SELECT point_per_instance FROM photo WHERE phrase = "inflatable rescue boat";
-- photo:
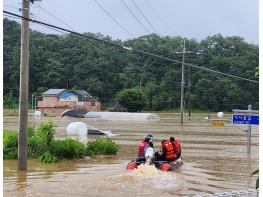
(161, 165)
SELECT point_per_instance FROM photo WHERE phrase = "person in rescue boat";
(177, 146)
(142, 148)
(149, 154)
(168, 153)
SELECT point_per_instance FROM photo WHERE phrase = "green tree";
(133, 99)
(61, 61)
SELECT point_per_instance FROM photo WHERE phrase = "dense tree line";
(70, 61)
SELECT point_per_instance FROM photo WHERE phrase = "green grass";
(14, 112)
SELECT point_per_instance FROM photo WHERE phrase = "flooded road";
(215, 160)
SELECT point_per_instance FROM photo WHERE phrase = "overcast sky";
(188, 18)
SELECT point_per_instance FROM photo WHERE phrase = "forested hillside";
(71, 61)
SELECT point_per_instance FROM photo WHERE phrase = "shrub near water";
(10, 140)
(47, 157)
(42, 145)
(40, 142)
(68, 149)
(101, 146)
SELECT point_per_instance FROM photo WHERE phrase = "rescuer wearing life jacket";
(168, 151)
(142, 148)
(177, 146)
(149, 154)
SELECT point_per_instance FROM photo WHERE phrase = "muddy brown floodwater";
(215, 161)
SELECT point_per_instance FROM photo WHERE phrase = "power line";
(228, 71)
(12, 7)
(192, 65)
(132, 49)
(14, 17)
(113, 18)
(123, 1)
(160, 18)
(218, 95)
(145, 17)
(36, 16)
(55, 17)
(98, 46)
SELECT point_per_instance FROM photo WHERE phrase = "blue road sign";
(245, 119)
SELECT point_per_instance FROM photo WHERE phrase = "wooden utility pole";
(182, 89)
(189, 95)
(249, 132)
(183, 86)
(23, 90)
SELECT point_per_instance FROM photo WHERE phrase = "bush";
(10, 153)
(10, 140)
(30, 131)
(68, 149)
(133, 99)
(43, 146)
(101, 146)
(47, 157)
(41, 140)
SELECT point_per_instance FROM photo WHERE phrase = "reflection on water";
(215, 160)
(21, 180)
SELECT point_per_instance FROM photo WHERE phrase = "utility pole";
(182, 89)
(32, 100)
(23, 90)
(189, 96)
(183, 86)
(249, 132)
(35, 102)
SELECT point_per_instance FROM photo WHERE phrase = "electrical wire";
(216, 95)
(154, 29)
(194, 66)
(226, 70)
(55, 17)
(131, 12)
(14, 17)
(133, 49)
(102, 48)
(12, 7)
(104, 10)
(160, 18)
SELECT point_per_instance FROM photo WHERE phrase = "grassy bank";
(43, 146)
(14, 112)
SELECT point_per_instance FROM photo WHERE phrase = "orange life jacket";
(177, 146)
(141, 148)
(170, 154)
